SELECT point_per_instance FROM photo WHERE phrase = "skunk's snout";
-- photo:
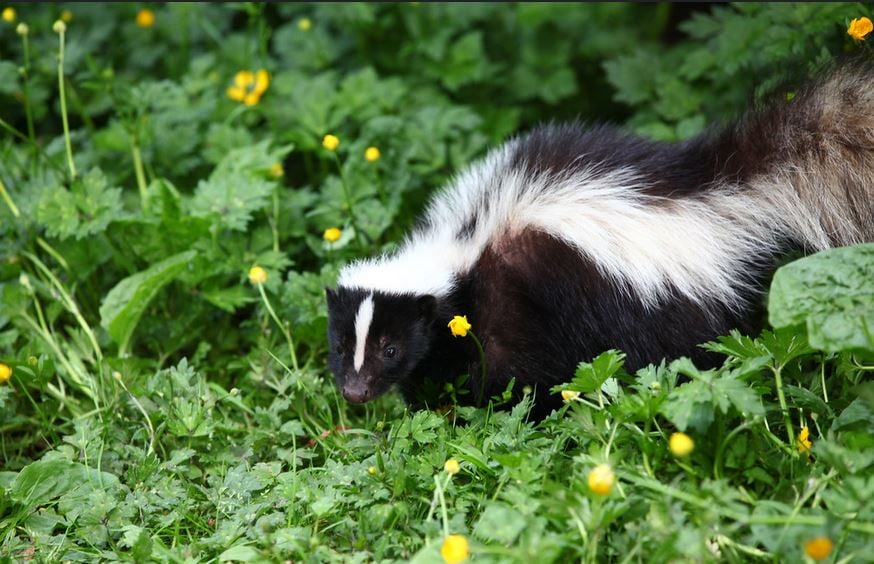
(357, 391)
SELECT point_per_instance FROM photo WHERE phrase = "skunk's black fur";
(573, 240)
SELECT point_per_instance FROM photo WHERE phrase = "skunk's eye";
(389, 352)
(339, 350)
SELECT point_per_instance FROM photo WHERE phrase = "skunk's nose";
(356, 392)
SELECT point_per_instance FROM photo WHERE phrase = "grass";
(163, 399)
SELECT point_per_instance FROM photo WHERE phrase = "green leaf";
(43, 481)
(500, 523)
(46, 480)
(126, 302)
(591, 375)
(690, 405)
(241, 553)
(85, 209)
(832, 292)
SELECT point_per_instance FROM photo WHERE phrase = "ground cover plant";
(180, 182)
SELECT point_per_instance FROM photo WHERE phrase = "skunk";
(569, 241)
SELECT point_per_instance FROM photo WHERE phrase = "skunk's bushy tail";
(811, 158)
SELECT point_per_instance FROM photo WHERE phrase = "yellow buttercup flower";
(681, 444)
(304, 24)
(330, 142)
(67, 16)
(276, 170)
(818, 548)
(459, 326)
(372, 470)
(257, 275)
(454, 549)
(9, 15)
(145, 18)
(569, 395)
(248, 86)
(601, 480)
(859, 28)
(372, 154)
(452, 466)
(5, 373)
(803, 442)
(332, 234)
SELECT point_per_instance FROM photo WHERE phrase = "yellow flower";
(803, 441)
(145, 18)
(372, 470)
(332, 234)
(276, 170)
(681, 444)
(372, 154)
(304, 24)
(5, 373)
(248, 87)
(9, 15)
(569, 395)
(459, 326)
(454, 549)
(330, 142)
(818, 548)
(859, 28)
(257, 275)
(59, 27)
(601, 479)
(67, 16)
(452, 466)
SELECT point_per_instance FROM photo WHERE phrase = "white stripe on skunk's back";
(699, 246)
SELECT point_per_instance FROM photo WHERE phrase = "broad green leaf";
(500, 523)
(126, 302)
(241, 553)
(832, 293)
(45, 480)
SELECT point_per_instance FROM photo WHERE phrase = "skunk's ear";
(427, 306)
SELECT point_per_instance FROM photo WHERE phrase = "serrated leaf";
(591, 375)
(85, 209)
(126, 302)
(728, 390)
(500, 523)
(690, 405)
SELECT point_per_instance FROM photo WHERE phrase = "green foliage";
(126, 302)
(153, 413)
(830, 293)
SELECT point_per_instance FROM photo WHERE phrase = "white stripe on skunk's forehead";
(362, 327)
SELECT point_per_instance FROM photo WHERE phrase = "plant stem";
(482, 363)
(138, 170)
(778, 379)
(8, 199)
(281, 326)
(347, 195)
(66, 123)
(28, 112)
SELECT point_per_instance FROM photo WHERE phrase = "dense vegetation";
(161, 399)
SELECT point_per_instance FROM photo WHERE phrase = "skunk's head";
(376, 339)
